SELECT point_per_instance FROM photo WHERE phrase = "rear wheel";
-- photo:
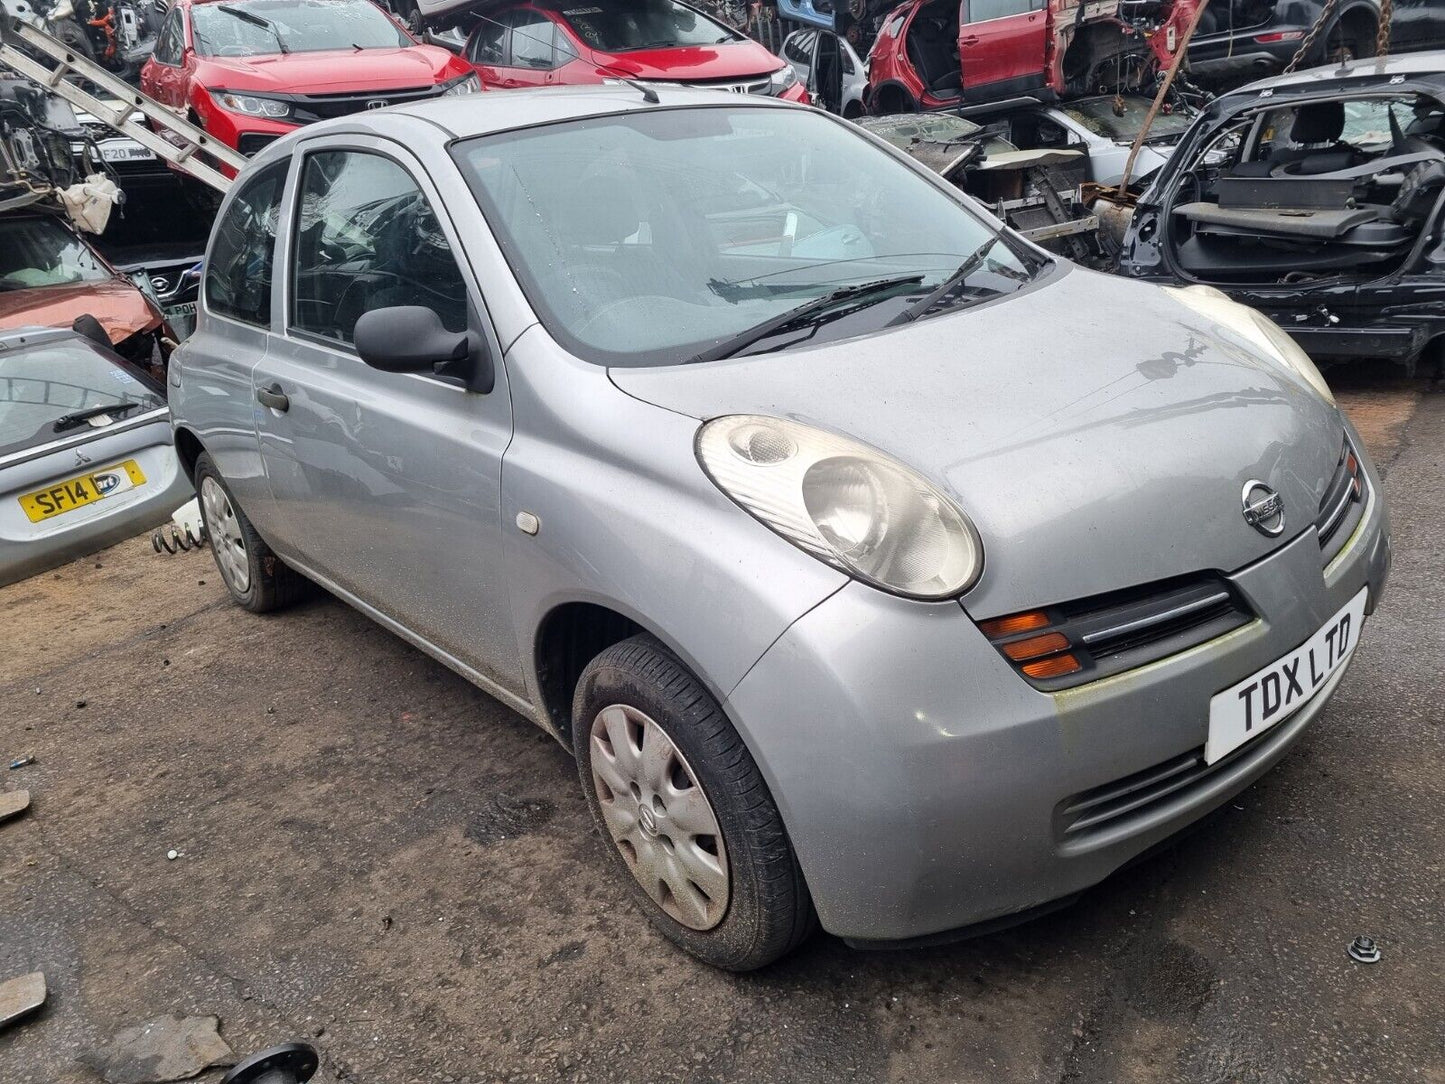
(685, 811)
(257, 579)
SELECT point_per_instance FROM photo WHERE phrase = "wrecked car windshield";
(40, 386)
(262, 27)
(37, 252)
(686, 228)
(614, 27)
(1121, 118)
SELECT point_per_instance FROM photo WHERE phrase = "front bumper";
(921, 779)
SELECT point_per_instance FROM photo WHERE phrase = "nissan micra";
(880, 570)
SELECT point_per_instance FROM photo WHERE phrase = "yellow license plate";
(81, 490)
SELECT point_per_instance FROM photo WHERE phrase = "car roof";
(1406, 64)
(465, 115)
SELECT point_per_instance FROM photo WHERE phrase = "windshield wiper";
(255, 20)
(75, 417)
(797, 317)
(948, 285)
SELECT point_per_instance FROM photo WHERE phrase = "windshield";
(41, 385)
(686, 228)
(1121, 118)
(614, 26)
(40, 252)
(261, 27)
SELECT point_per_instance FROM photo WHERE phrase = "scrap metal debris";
(21, 996)
(164, 1049)
(289, 1063)
(1363, 950)
(20, 762)
(13, 803)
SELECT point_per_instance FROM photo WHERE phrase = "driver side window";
(167, 49)
(366, 238)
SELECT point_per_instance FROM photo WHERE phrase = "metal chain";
(1309, 42)
(1382, 39)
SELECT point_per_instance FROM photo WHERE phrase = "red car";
(932, 54)
(249, 71)
(533, 43)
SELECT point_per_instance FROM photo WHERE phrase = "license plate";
(185, 308)
(1249, 708)
(125, 152)
(82, 490)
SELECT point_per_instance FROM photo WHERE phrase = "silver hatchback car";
(880, 569)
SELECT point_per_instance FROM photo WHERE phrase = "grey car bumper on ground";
(913, 813)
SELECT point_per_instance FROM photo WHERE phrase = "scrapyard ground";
(380, 859)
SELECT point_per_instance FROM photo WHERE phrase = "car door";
(798, 52)
(233, 333)
(531, 49)
(486, 50)
(1001, 46)
(164, 75)
(390, 482)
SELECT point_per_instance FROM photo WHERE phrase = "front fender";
(628, 520)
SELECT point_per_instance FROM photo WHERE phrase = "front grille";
(762, 85)
(1093, 638)
(1136, 795)
(251, 142)
(308, 108)
(1343, 504)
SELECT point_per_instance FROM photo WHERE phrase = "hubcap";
(227, 542)
(659, 817)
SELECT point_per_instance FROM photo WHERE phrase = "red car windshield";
(612, 27)
(263, 27)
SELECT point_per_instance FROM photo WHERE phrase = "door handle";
(273, 397)
(972, 39)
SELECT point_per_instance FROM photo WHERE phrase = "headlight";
(845, 503)
(1261, 332)
(467, 84)
(251, 105)
(782, 79)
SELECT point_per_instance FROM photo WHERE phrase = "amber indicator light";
(1058, 666)
(1035, 646)
(1008, 626)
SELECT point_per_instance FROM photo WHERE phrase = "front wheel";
(257, 579)
(684, 810)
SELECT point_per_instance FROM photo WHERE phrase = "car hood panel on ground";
(1105, 443)
(331, 72)
(119, 306)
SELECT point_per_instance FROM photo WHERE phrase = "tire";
(257, 579)
(681, 749)
(410, 15)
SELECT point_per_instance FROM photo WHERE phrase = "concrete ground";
(378, 858)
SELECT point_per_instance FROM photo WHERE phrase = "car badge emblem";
(377, 103)
(161, 283)
(81, 459)
(1263, 509)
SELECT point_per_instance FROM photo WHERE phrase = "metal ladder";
(173, 139)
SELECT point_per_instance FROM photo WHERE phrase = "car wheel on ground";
(257, 579)
(685, 811)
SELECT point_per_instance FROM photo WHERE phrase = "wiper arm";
(786, 321)
(255, 20)
(948, 285)
(75, 417)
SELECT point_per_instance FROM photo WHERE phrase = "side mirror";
(411, 339)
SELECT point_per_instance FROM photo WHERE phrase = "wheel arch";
(188, 450)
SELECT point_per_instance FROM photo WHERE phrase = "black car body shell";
(1394, 317)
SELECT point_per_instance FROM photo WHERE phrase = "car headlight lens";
(251, 105)
(467, 84)
(845, 503)
(782, 79)
(1261, 332)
